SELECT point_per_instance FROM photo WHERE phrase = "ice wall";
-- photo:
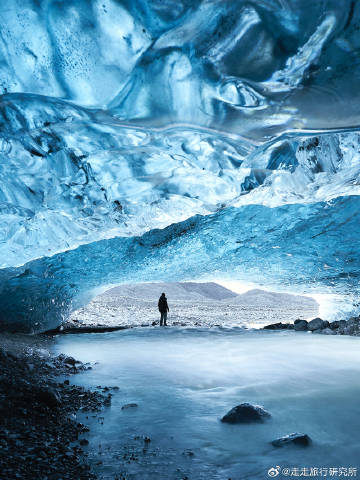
(232, 125)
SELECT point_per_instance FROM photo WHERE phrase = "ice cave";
(211, 135)
(179, 146)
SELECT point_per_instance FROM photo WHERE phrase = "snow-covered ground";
(194, 304)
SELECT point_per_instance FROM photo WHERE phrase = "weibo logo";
(274, 471)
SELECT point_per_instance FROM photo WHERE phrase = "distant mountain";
(257, 297)
(177, 291)
(209, 291)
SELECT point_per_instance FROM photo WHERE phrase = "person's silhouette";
(163, 309)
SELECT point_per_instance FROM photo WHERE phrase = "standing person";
(163, 309)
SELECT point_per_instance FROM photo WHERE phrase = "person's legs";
(165, 317)
(161, 318)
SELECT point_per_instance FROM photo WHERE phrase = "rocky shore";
(317, 325)
(40, 437)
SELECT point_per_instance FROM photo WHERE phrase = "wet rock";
(188, 453)
(3, 355)
(147, 440)
(327, 331)
(70, 361)
(350, 329)
(342, 323)
(246, 413)
(83, 442)
(82, 427)
(129, 405)
(35, 438)
(48, 396)
(300, 325)
(316, 324)
(279, 326)
(300, 439)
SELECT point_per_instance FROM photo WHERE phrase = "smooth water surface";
(185, 380)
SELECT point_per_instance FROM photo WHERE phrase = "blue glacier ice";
(171, 140)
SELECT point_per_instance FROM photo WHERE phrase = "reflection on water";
(184, 380)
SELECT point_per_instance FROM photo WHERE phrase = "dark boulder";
(338, 325)
(316, 324)
(70, 361)
(279, 326)
(246, 413)
(327, 331)
(3, 355)
(292, 439)
(47, 396)
(129, 405)
(300, 325)
(351, 329)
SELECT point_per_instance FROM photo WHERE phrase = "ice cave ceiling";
(170, 140)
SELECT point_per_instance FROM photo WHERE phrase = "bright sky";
(238, 287)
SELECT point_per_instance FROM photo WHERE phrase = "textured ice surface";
(234, 125)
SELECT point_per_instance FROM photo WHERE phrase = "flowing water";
(185, 380)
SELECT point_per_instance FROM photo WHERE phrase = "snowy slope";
(259, 297)
(203, 292)
(177, 291)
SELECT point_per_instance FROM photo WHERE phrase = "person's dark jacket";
(163, 305)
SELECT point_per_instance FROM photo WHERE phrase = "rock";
(246, 413)
(300, 325)
(351, 329)
(327, 331)
(147, 439)
(48, 396)
(279, 326)
(316, 324)
(338, 325)
(70, 361)
(292, 439)
(84, 442)
(188, 453)
(129, 405)
(3, 355)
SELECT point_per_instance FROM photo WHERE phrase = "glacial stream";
(185, 380)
